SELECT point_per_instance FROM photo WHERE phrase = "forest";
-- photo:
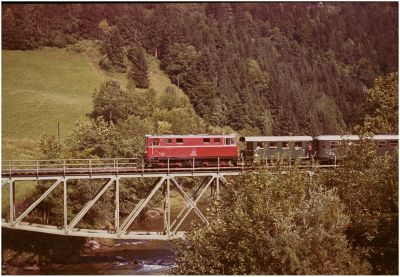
(265, 68)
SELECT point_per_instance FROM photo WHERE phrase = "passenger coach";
(327, 146)
(269, 147)
(183, 150)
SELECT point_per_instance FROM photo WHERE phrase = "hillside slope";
(46, 86)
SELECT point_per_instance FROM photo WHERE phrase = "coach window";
(285, 145)
(334, 144)
(381, 144)
(217, 140)
(169, 141)
(393, 143)
(260, 145)
(298, 145)
(206, 140)
(273, 145)
(179, 140)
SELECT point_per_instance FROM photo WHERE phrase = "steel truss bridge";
(112, 171)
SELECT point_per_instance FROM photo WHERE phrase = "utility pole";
(58, 127)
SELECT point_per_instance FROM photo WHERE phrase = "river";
(125, 257)
(118, 257)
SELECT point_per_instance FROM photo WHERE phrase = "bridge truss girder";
(166, 182)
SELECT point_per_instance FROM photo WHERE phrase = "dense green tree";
(137, 74)
(170, 99)
(178, 61)
(367, 184)
(93, 139)
(9, 34)
(112, 50)
(144, 102)
(381, 108)
(111, 102)
(272, 223)
(51, 147)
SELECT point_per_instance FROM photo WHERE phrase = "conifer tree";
(137, 74)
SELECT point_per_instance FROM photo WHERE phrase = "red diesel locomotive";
(189, 150)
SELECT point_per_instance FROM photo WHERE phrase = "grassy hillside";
(158, 79)
(46, 86)
(41, 88)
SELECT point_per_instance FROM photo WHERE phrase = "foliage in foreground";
(381, 108)
(368, 186)
(272, 223)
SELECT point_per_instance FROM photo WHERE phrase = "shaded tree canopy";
(381, 109)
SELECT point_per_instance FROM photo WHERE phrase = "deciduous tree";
(112, 103)
(272, 223)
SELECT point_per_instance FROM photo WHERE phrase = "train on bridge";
(167, 158)
(204, 149)
(201, 153)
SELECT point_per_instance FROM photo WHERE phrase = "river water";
(120, 257)
(125, 257)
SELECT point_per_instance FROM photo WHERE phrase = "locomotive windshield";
(229, 141)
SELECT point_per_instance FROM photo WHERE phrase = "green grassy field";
(39, 89)
(43, 87)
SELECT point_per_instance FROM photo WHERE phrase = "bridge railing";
(68, 165)
(116, 165)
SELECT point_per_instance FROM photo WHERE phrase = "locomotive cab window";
(229, 141)
(156, 141)
(169, 141)
(179, 140)
(206, 140)
(260, 145)
(217, 140)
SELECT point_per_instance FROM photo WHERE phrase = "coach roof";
(278, 138)
(355, 137)
(337, 137)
